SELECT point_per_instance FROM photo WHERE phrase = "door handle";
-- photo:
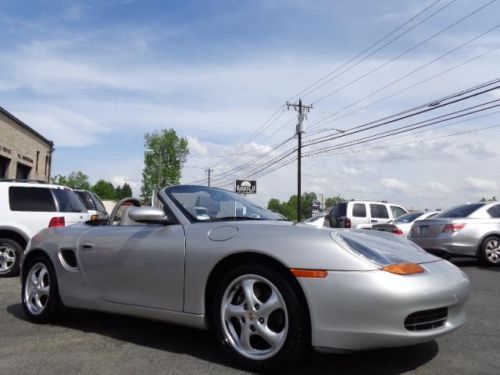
(87, 245)
(374, 221)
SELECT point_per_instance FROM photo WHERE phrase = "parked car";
(93, 204)
(401, 226)
(468, 230)
(363, 214)
(28, 207)
(317, 221)
(267, 288)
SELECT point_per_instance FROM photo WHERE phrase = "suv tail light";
(57, 221)
(347, 222)
(450, 228)
(397, 231)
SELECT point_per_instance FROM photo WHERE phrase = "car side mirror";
(151, 215)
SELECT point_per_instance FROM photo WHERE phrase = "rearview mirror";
(148, 215)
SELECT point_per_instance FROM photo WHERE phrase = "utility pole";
(208, 170)
(302, 112)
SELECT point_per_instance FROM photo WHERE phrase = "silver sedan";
(267, 288)
(468, 230)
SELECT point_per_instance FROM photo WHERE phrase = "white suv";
(363, 214)
(28, 207)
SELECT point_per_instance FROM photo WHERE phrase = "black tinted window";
(31, 199)
(379, 210)
(461, 211)
(68, 201)
(86, 200)
(359, 210)
(340, 209)
(98, 204)
(494, 211)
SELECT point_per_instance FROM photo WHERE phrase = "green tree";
(104, 189)
(164, 158)
(118, 192)
(307, 201)
(75, 180)
(332, 201)
(124, 191)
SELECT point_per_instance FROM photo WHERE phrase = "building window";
(46, 164)
(23, 172)
(4, 166)
(37, 157)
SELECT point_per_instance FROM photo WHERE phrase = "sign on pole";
(246, 186)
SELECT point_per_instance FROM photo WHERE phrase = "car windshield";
(200, 203)
(408, 218)
(460, 211)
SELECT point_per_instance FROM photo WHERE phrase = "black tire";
(10, 248)
(295, 344)
(489, 243)
(52, 304)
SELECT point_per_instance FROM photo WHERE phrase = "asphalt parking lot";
(94, 343)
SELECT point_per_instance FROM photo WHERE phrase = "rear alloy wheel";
(259, 319)
(10, 253)
(39, 291)
(490, 254)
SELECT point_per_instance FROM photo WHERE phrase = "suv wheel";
(10, 254)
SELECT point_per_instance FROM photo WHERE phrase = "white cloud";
(395, 184)
(481, 184)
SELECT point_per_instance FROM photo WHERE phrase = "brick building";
(24, 153)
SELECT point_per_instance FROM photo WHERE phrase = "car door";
(139, 265)
(379, 213)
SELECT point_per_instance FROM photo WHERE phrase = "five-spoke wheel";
(39, 292)
(258, 316)
(255, 317)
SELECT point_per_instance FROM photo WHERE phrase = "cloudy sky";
(94, 76)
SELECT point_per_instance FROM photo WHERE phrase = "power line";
(410, 127)
(468, 61)
(403, 144)
(430, 106)
(416, 70)
(311, 88)
(433, 36)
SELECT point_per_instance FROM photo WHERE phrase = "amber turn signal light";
(94, 217)
(404, 268)
(317, 274)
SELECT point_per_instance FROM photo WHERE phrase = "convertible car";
(268, 288)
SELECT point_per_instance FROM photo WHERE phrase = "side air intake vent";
(68, 259)
(425, 320)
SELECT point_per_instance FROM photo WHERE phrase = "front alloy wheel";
(254, 316)
(39, 290)
(259, 317)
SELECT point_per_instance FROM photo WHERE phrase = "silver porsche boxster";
(267, 288)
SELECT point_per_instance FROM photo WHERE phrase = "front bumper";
(367, 309)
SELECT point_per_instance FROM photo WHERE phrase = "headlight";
(385, 260)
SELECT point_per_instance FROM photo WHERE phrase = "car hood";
(381, 247)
